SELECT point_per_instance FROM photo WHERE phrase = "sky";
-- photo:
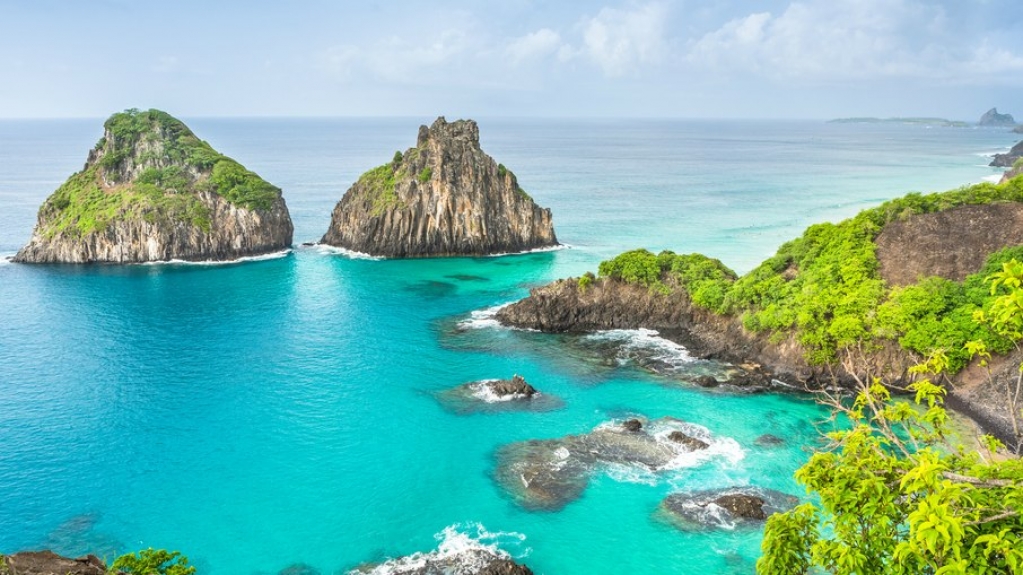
(509, 58)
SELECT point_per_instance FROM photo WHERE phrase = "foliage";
(705, 279)
(81, 206)
(153, 562)
(502, 171)
(897, 494)
(425, 175)
(397, 158)
(171, 163)
(242, 187)
(586, 280)
(379, 186)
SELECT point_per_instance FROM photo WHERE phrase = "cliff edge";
(153, 191)
(445, 197)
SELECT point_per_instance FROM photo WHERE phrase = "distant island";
(940, 122)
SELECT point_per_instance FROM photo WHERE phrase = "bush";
(152, 562)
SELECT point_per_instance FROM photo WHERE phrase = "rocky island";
(874, 294)
(445, 197)
(153, 191)
(993, 118)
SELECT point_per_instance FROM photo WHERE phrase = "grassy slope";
(83, 204)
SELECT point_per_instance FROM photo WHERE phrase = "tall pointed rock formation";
(445, 197)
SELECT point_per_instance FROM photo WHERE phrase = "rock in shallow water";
(497, 395)
(724, 508)
(546, 475)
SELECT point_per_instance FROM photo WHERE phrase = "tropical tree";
(895, 492)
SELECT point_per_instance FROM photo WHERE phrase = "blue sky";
(610, 58)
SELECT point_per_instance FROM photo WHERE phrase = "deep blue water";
(268, 413)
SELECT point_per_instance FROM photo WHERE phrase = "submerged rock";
(445, 197)
(152, 191)
(49, 563)
(769, 440)
(724, 508)
(546, 475)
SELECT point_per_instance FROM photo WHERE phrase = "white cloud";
(822, 40)
(537, 44)
(620, 40)
(396, 59)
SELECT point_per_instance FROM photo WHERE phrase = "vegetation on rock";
(824, 289)
(170, 164)
(152, 562)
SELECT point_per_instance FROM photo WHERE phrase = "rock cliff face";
(445, 197)
(1007, 160)
(993, 118)
(152, 191)
(951, 244)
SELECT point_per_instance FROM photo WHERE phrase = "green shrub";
(425, 175)
(152, 562)
(586, 280)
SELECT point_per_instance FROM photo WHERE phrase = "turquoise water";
(286, 411)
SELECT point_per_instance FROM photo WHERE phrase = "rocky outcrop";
(445, 197)
(49, 563)
(546, 475)
(724, 508)
(1008, 159)
(993, 118)
(951, 244)
(1011, 173)
(564, 307)
(514, 387)
(152, 191)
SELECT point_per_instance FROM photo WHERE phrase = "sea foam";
(483, 318)
(259, 258)
(647, 341)
(462, 549)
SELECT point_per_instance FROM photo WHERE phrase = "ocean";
(290, 412)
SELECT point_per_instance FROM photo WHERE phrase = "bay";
(268, 413)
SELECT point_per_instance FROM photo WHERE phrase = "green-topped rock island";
(152, 191)
(444, 197)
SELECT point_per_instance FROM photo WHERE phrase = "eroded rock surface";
(546, 475)
(49, 563)
(445, 197)
(724, 508)
(951, 244)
